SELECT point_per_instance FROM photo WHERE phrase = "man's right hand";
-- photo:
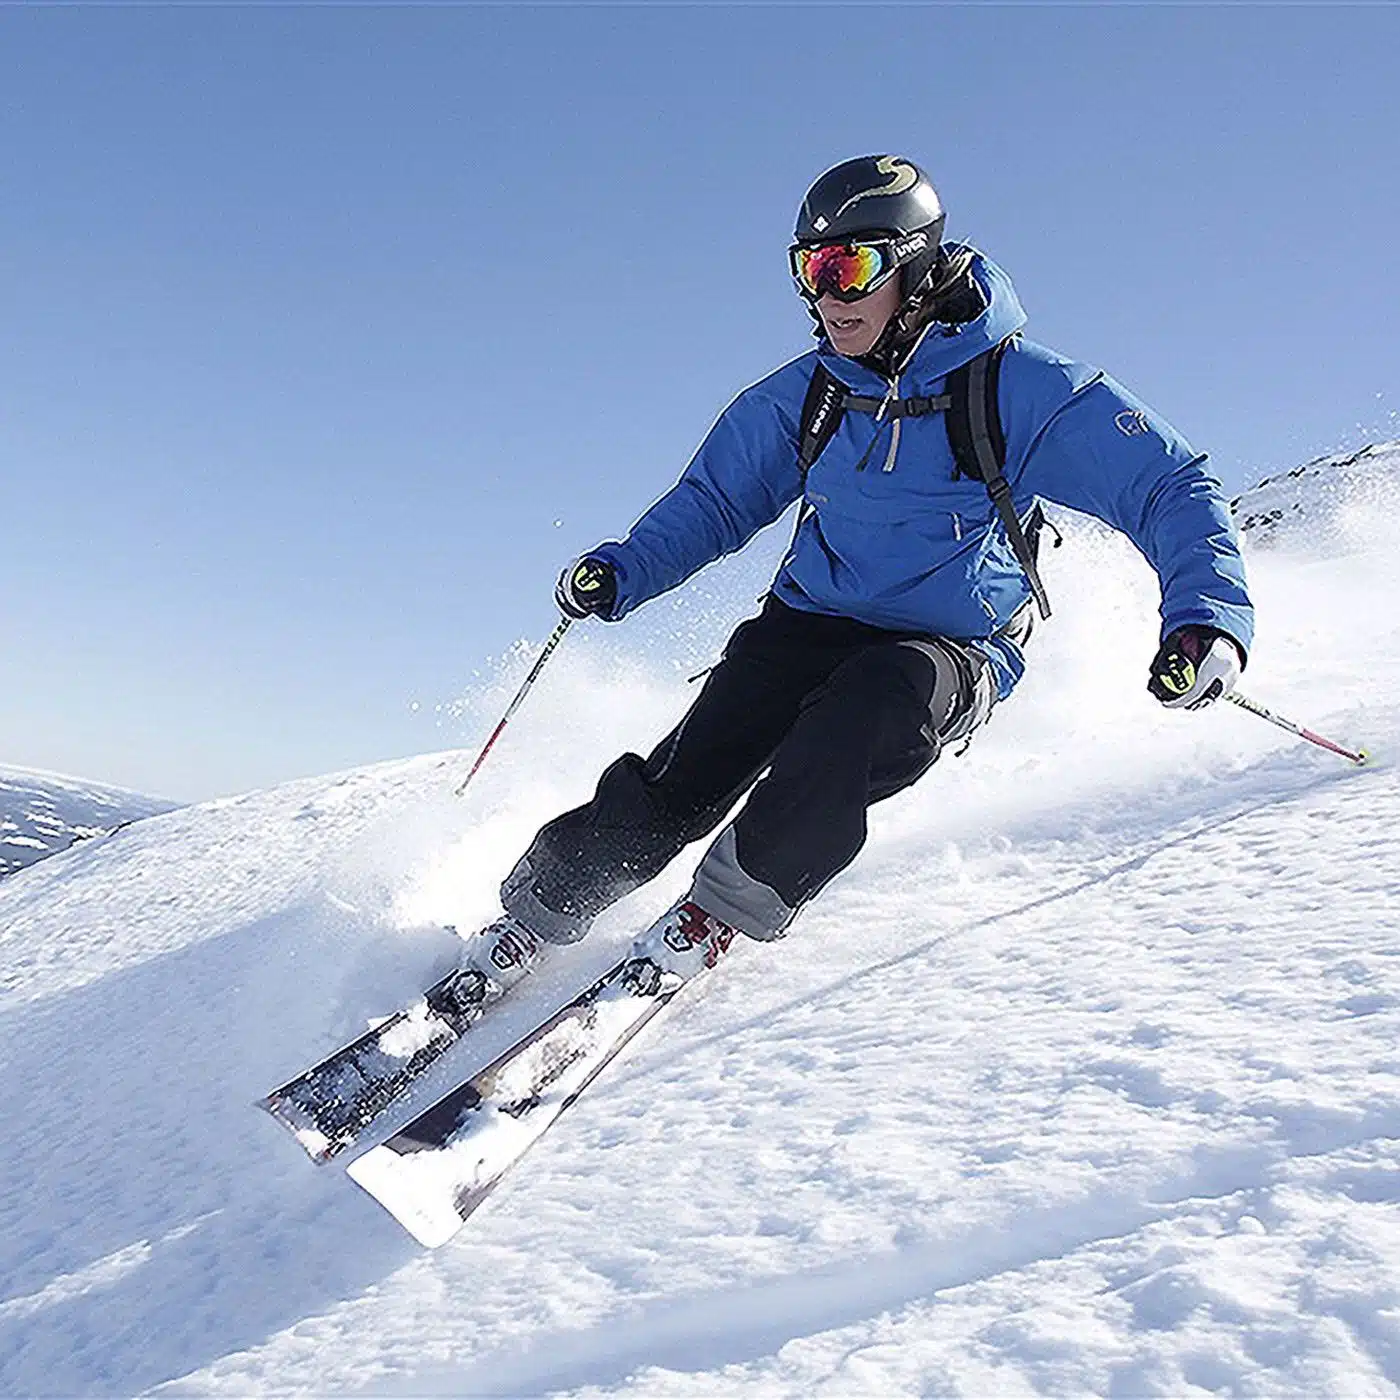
(1194, 666)
(587, 588)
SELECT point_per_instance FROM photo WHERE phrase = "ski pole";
(555, 638)
(1255, 708)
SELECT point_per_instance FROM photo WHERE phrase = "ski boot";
(683, 942)
(495, 959)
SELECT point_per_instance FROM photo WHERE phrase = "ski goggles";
(849, 271)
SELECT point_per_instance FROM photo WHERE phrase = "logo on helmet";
(1132, 422)
(903, 176)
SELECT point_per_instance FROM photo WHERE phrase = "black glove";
(1194, 666)
(587, 588)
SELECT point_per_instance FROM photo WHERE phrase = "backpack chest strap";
(826, 404)
(913, 407)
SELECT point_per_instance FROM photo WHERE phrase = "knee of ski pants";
(964, 689)
(586, 859)
(877, 702)
(947, 692)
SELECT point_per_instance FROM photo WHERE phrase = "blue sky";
(327, 334)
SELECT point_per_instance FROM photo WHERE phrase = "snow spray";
(555, 638)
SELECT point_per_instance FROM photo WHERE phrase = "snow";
(415, 1032)
(1084, 1079)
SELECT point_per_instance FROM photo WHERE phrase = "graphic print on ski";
(432, 1174)
(328, 1107)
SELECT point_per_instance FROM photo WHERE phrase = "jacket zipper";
(898, 422)
(894, 445)
(890, 398)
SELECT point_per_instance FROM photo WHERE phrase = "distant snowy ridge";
(1324, 500)
(41, 813)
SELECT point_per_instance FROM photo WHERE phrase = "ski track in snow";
(1085, 1079)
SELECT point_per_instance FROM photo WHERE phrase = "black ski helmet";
(875, 195)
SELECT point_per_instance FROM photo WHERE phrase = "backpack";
(975, 434)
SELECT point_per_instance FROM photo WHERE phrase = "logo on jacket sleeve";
(1132, 422)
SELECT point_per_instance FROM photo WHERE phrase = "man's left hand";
(1194, 666)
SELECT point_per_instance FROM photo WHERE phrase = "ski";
(432, 1174)
(329, 1106)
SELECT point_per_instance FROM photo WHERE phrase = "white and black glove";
(587, 588)
(1194, 666)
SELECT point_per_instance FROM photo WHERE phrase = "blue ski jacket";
(900, 542)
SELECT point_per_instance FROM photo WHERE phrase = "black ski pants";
(836, 711)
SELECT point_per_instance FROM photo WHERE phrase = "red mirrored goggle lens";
(846, 270)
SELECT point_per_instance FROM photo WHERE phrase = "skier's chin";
(853, 339)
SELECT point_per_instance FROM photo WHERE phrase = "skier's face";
(853, 327)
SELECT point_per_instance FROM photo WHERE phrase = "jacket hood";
(945, 346)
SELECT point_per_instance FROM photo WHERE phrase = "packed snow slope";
(1084, 1079)
(41, 813)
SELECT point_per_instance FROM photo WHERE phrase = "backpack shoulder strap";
(822, 411)
(974, 416)
(979, 448)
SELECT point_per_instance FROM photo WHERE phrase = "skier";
(920, 434)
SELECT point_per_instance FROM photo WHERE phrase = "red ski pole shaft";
(555, 638)
(1255, 708)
